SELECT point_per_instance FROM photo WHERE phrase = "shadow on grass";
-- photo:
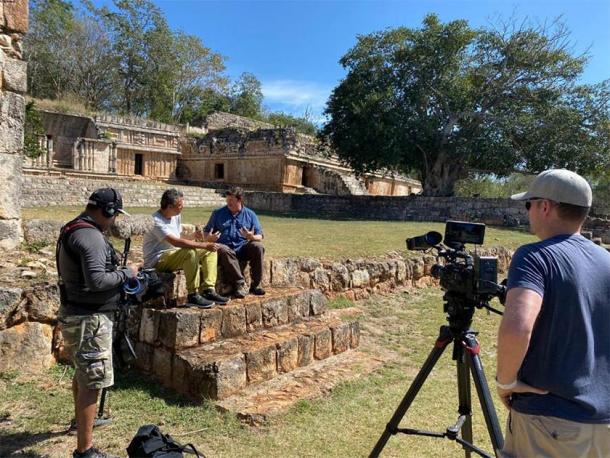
(11, 444)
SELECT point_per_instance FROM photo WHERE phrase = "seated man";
(167, 251)
(239, 235)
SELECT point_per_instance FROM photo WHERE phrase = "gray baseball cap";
(559, 185)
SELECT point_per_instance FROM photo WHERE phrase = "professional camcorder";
(470, 278)
(144, 286)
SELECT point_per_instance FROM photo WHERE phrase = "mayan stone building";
(108, 144)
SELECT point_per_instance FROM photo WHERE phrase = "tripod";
(466, 350)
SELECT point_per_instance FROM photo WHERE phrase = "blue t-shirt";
(569, 351)
(229, 225)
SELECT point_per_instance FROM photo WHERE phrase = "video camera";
(468, 279)
(144, 286)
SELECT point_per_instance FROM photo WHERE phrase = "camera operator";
(553, 344)
(90, 285)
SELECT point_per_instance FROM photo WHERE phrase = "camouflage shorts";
(88, 341)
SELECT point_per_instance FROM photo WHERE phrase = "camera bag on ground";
(150, 442)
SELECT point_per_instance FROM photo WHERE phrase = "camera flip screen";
(461, 232)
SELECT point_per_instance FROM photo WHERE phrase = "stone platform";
(260, 342)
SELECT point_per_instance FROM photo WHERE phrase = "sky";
(293, 47)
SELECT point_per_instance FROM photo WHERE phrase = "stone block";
(26, 348)
(261, 364)
(144, 354)
(179, 328)
(298, 306)
(274, 312)
(149, 326)
(14, 15)
(14, 75)
(233, 321)
(318, 304)
(10, 185)
(355, 334)
(12, 115)
(10, 234)
(321, 279)
(40, 231)
(306, 345)
(211, 325)
(323, 346)
(42, 303)
(218, 380)
(339, 277)
(180, 375)
(341, 336)
(360, 278)
(162, 365)
(254, 316)
(288, 355)
(10, 299)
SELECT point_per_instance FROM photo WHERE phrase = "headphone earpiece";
(110, 209)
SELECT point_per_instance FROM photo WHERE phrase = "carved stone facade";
(278, 159)
(13, 85)
(105, 144)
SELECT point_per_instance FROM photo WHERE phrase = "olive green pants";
(196, 263)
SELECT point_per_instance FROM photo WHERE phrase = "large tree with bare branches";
(446, 99)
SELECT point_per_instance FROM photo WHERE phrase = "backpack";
(150, 442)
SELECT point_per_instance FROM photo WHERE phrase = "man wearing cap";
(167, 250)
(90, 284)
(239, 234)
(553, 368)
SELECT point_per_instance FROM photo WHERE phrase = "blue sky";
(293, 47)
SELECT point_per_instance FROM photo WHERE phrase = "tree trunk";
(440, 179)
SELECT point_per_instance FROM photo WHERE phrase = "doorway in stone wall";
(139, 164)
(306, 177)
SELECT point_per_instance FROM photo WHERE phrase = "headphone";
(109, 209)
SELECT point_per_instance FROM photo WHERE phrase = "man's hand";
(210, 246)
(213, 237)
(198, 234)
(248, 235)
(506, 395)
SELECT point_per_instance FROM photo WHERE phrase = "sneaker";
(99, 422)
(257, 291)
(241, 291)
(92, 453)
(198, 301)
(211, 295)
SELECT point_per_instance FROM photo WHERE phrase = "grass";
(320, 238)
(348, 422)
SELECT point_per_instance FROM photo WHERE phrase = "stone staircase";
(354, 185)
(252, 347)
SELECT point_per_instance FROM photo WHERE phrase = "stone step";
(223, 368)
(179, 328)
(257, 403)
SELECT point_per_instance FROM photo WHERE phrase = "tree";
(51, 24)
(247, 96)
(446, 99)
(33, 130)
(302, 124)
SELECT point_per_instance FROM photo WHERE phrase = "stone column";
(13, 85)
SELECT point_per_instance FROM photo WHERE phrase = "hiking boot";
(211, 295)
(257, 291)
(241, 291)
(198, 301)
(97, 423)
(92, 453)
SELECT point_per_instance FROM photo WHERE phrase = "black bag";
(150, 442)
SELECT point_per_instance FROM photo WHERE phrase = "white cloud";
(295, 97)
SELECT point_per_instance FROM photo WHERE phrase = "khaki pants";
(192, 261)
(537, 436)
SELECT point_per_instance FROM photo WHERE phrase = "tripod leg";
(465, 400)
(480, 382)
(443, 340)
(100, 411)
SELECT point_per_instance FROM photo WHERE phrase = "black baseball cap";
(108, 198)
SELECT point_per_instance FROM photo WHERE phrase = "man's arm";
(180, 242)
(522, 308)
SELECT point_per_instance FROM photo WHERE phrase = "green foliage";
(247, 96)
(301, 124)
(485, 185)
(33, 129)
(446, 100)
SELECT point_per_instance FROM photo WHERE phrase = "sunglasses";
(528, 203)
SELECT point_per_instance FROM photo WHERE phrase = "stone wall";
(13, 85)
(72, 189)
(221, 120)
